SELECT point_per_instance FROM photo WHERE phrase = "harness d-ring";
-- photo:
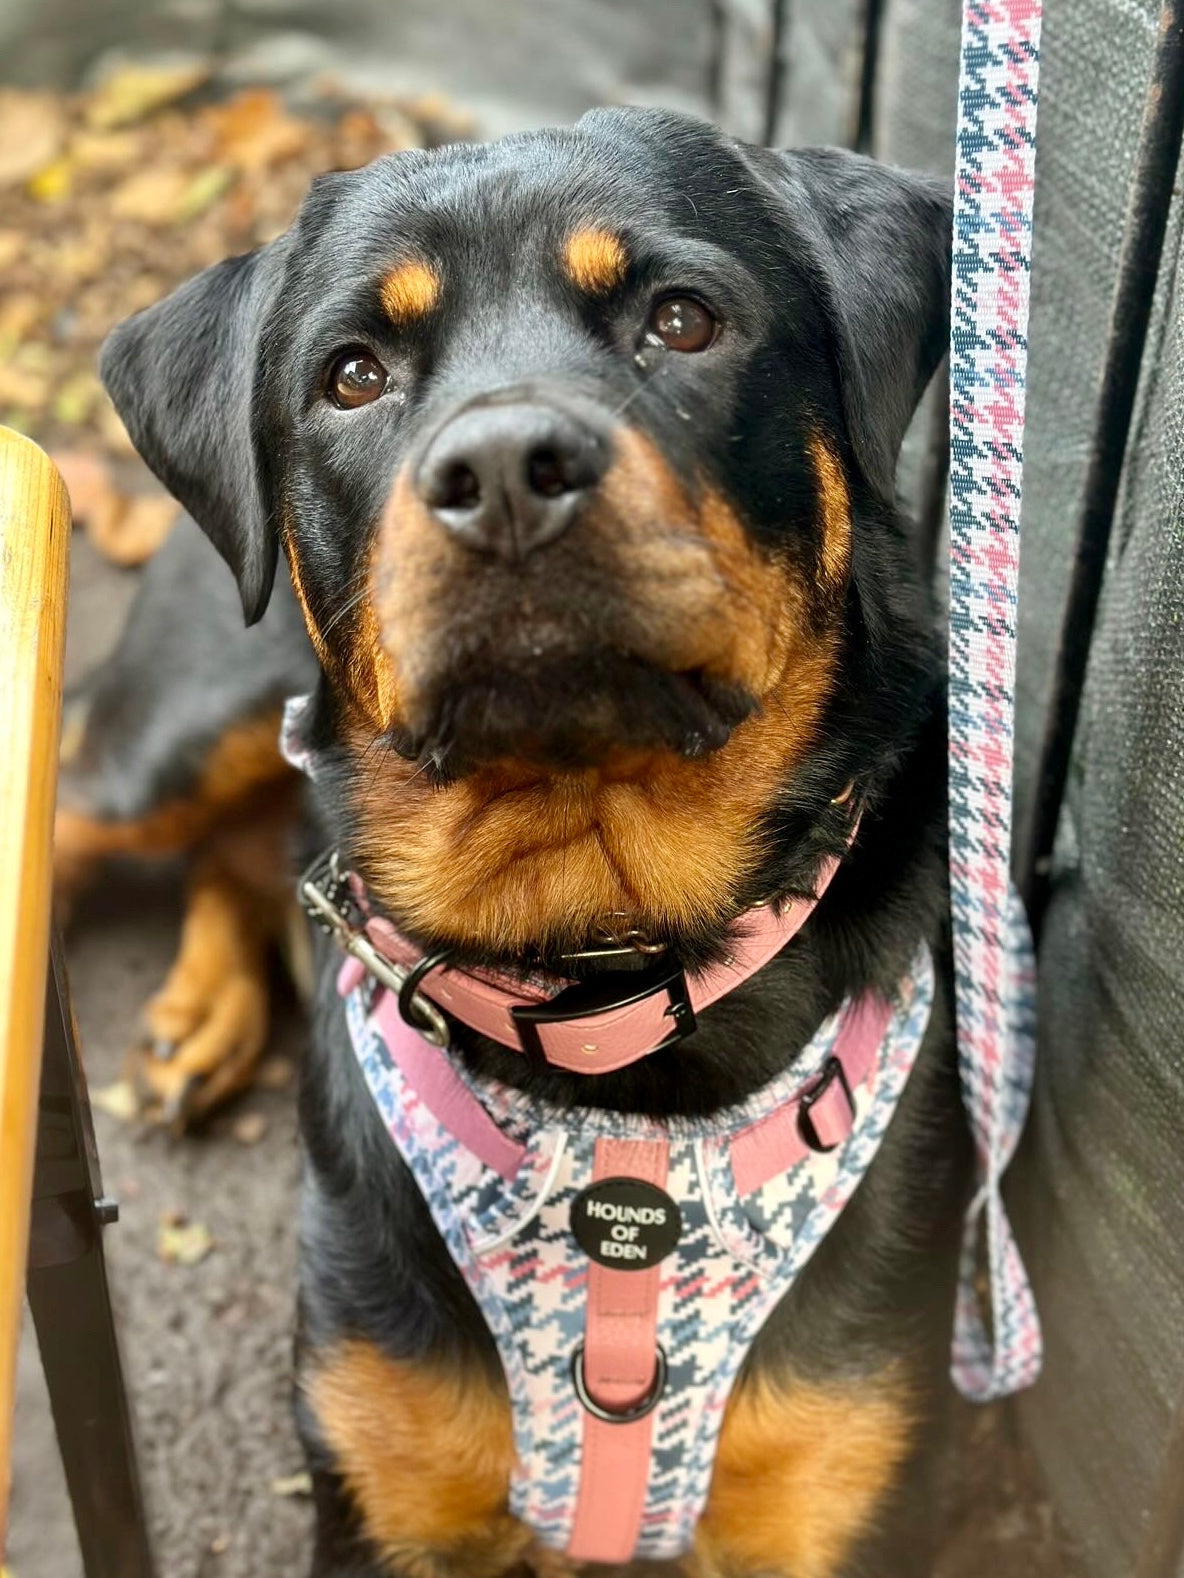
(417, 1011)
(620, 1416)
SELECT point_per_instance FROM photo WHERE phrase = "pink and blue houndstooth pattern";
(736, 1259)
(995, 975)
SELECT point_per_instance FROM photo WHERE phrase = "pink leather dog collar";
(598, 1040)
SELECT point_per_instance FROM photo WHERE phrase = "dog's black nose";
(507, 479)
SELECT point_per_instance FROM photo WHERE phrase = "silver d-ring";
(620, 1416)
(416, 1008)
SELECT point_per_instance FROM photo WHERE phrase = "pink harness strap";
(596, 1043)
(442, 1091)
(620, 1363)
(776, 1143)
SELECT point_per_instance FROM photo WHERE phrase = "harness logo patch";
(625, 1223)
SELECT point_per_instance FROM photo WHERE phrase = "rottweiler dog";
(579, 449)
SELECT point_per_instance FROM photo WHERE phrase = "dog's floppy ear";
(882, 238)
(182, 376)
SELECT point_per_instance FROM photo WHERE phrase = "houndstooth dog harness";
(624, 1470)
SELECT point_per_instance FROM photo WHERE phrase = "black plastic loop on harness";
(832, 1070)
(620, 1416)
(409, 1010)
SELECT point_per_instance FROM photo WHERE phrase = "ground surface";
(207, 1346)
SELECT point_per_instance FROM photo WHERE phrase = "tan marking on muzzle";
(353, 652)
(515, 854)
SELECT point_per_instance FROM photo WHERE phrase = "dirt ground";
(207, 1346)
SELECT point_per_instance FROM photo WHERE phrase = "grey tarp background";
(1100, 1191)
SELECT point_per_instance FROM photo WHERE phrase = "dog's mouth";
(650, 625)
(601, 708)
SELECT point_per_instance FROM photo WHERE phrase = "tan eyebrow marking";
(410, 291)
(594, 259)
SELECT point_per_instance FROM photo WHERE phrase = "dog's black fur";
(830, 274)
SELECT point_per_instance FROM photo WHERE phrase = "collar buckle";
(586, 999)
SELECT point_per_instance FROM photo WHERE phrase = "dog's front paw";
(198, 1051)
(207, 1026)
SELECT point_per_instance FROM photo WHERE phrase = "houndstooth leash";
(993, 959)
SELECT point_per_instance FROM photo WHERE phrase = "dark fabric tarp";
(1100, 1189)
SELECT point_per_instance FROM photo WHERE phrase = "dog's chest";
(625, 1262)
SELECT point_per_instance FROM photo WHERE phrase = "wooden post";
(34, 559)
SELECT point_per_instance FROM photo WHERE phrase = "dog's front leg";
(413, 1461)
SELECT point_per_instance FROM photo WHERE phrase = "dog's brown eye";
(682, 324)
(355, 379)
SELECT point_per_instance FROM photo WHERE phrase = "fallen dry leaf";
(12, 244)
(360, 138)
(169, 196)
(88, 480)
(249, 1128)
(292, 1485)
(114, 150)
(23, 386)
(132, 92)
(117, 1100)
(129, 531)
(54, 182)
(32, 131)
(181, 1242)
(205, 188)
(76, 399)
(151, 195)
(275, 1073)
(253, 130)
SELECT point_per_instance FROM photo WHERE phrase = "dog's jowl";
(557, 477)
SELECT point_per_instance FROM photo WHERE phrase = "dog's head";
(580, 447)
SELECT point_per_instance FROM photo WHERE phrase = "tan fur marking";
(426, 1455)
(369, 671)
(595, 260)
(310, 622)
(243, 764)
(358, 659)
(800, 1475)
(836, 512)
(410, 291)
(514, 854)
